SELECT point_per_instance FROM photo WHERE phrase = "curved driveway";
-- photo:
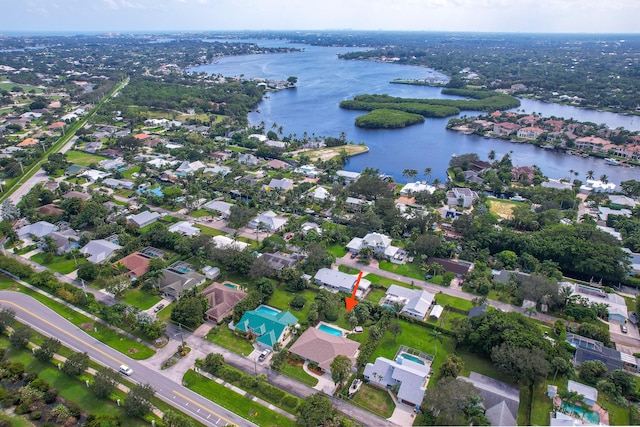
(49, 323)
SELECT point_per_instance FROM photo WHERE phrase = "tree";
(104, 382)
(172, 418)
(452, 366)
(76, 364)
(88, 271)
(138, 400)
(213, 362)
(527, 366)
(190, 309)
(239, 216)
(607, 389)
(436, 336)
(117, 285)
(592, 371)
(340, 369)
(590, 174)
(7, 316)
(410, 173)
(446, 402)
(21, 336)
(316, 410)
(395, 330)
(47, 349)
(623, 380)
(561, 365)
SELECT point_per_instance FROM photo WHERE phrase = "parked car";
(158, 308)
(263, 355)
(353, 255)
(624, 329)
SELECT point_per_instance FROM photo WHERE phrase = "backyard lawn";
(60, 263)
(234, 402)
(337, 250)
(208, 231)
(139, 298)
(281, 300)
(82, 158)
(224, 337)
(374, 400)
(409, 269)
(129, 172)
(375, 295)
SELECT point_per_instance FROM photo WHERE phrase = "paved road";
(49, 323)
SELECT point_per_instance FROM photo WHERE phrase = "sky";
(524, 16)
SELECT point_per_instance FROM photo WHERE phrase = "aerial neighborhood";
(148, 211)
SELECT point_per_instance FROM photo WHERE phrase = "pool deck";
(329, 325)
(604, 415)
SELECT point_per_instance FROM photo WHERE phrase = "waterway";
(324, 81)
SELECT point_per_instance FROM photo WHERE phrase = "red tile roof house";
(320, 347)
(136, 263)
(505, 128)
(221, 301)
(530, 132)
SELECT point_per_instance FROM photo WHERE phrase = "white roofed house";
(248, 159)
(185, 228)
(461, 197)
(270, 220)
(225, 242)
(337, 281)
(99, 250)
(187, 168)
(320, 194)
(143, 218)
(284, 184)
(617, 306)
(38, 230)
(347, 177)
(415, 303)
(381, 245)
(223, 208)
(416, 187)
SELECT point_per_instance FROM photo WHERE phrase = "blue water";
(267, 310)
(412, 358)
(330, 330)
(324, 81)
(232, 286)
(183, 269)
(580, 412)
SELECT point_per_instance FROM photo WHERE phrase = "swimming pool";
(328, 329)
(579, 412)
(412, 358)
(230, 285)
(267, 310)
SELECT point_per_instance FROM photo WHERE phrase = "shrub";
(22, 409)
(298, 302)
(290, 402)
(36, 415)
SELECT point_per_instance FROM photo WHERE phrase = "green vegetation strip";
(103, 333)
(385, 118)
(234, 402)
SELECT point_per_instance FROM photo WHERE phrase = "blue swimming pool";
(267, 310)
(328, 329)
(412, 358)
(231, 285)
(579, 412)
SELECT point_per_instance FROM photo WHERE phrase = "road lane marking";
(119, 362)
(206, 409)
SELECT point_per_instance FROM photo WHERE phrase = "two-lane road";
(49, 323)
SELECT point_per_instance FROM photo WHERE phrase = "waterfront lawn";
(452, 301)
(297, 373)
(374, 400)
(234, 402)
(208, 231)
(411, 270)
(224, 337)
(140, 298)
(82, 158)
(60, 263)
(337, 250)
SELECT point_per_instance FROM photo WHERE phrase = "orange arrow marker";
(352, 301)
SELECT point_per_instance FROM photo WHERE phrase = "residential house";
(136, 264)
(311, 226)
(119, 183)
(99, 250)
(556, 184)
(185, 228)
(619, 201)
(268, 327)
(216, 170)
(530, 132)
(280, 260)
(505, 128)
(458, 267)
(188, 168)
(275, 144)
(337, 281)
(416, 187)
(320, 347)
(521, 173)
(410, 378)
(461, 197)
(50, 209)
(211, 273)
(93, 146)
(591, 143)
(617, 304)
(415, 303)
(590, 394)
(310, 171)
(248, 159)
(380, 244)
(221, 156)
(221, 301)
(347, 177)
(178, 278)
(94, 175)
(223, 208)
(143, 218)
(37, 230)
(65, 240)
(271, 222)
(225, 242)
(111, 164)
(477, 311)
(500, 399)
(320, 194)
(76, 195)
(590, 349)
(284, 184)
(278, 164)
(355, 204)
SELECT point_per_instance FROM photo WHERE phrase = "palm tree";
(492, 155)
(531, 311)
(604, 178)
(590, 174)
(436, 336)
(566, 293)
(427, 172)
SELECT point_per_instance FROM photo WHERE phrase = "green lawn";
(226, 338)
(337, 250)
(375, 295)
(298, 373)
(348, 270)
(452, 301)
(386, 282)
(60, 263)
(140, 298)
(374, 400)
(208, 231)
(475, 363)
(200, 213)
(234, 402)
(82, 158)
(281, 300)
(127, 174)
(410, 269)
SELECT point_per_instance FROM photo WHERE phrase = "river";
(324, 81)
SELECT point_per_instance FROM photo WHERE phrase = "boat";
(612, 162)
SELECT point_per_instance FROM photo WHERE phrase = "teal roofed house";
(269, 328)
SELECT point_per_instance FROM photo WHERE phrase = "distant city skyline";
(517, 16)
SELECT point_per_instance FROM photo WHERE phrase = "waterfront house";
(530, 132)
(221, 300)
(267, 327)
(461, 197)
(505, 128)
(416, 187)
(591, 143)
(321, 347)
(347, 177)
